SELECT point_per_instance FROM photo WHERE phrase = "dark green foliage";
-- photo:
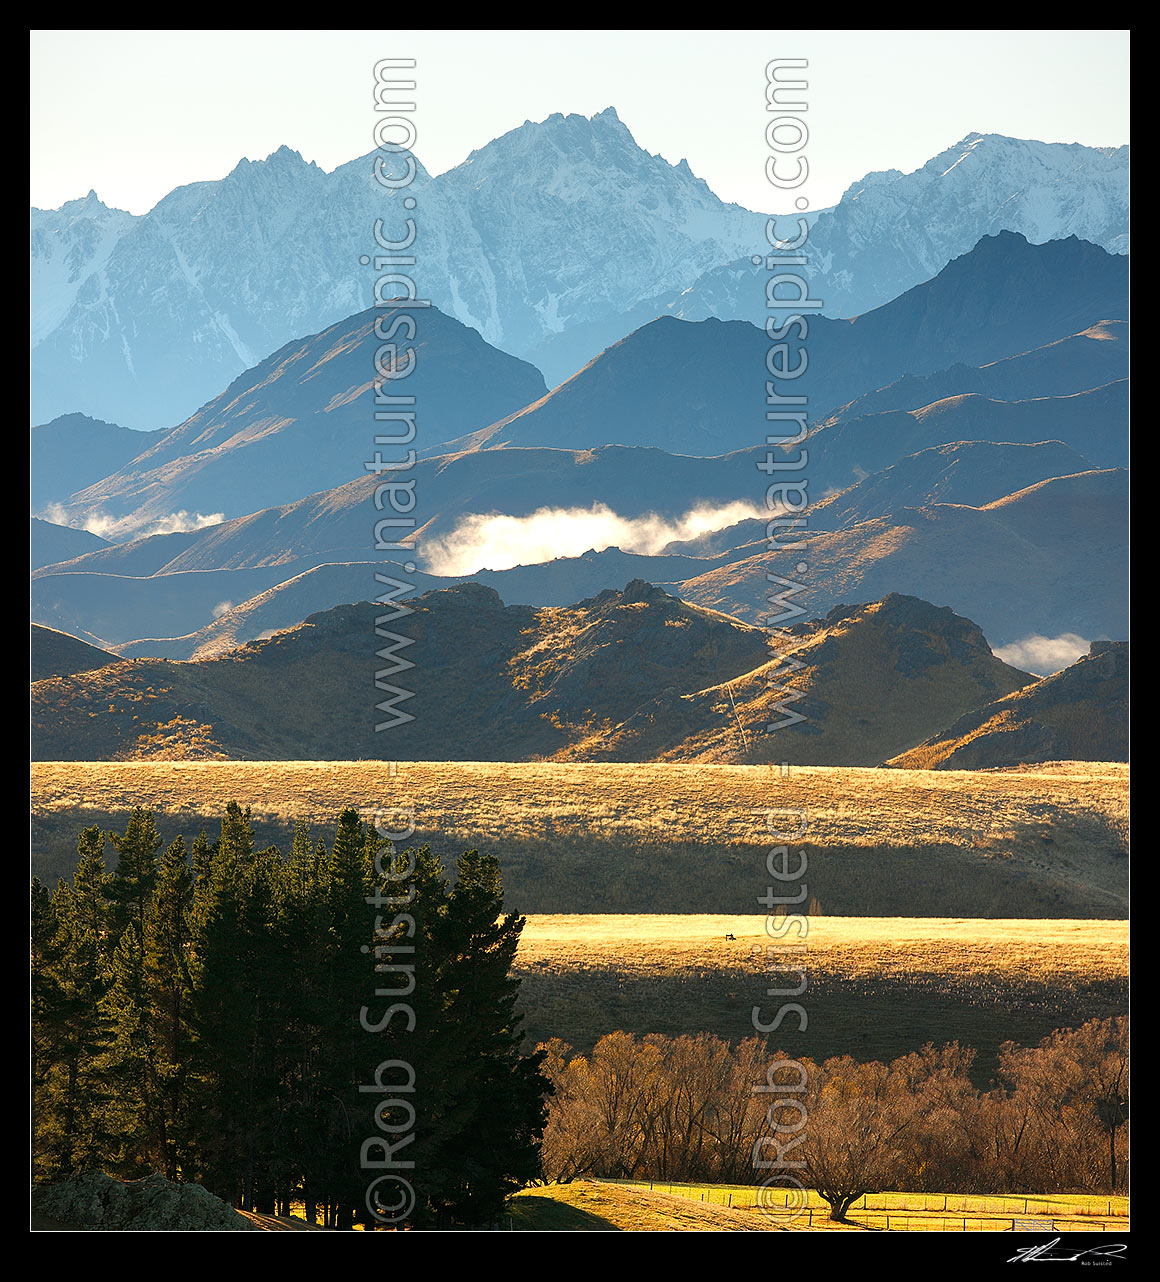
(71, 974)
(216, 1017)
(136, 872)
(48, 999)
(490, 1114)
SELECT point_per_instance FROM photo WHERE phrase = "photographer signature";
(1047, 1251)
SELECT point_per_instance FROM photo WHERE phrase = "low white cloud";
(54, 513)
(124, 528)
(183, 522)
(497, 542)
(1044, 655)
(222, 607)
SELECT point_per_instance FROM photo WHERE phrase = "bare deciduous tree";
(855, 1136)
(692, 1108)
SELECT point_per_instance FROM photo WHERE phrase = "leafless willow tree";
(1069, 1099)
(856, 1133)
(692, 1108)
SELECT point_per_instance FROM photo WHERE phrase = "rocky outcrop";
(98, 1201)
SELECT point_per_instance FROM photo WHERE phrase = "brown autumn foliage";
(695, 1109)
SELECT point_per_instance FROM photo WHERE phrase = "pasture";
(1045, 842)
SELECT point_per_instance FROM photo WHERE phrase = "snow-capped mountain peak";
(546, 241)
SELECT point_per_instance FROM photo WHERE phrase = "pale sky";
(133, 114)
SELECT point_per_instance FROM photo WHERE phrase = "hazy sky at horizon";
(133, 114)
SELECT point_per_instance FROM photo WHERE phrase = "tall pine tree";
(73, 1128)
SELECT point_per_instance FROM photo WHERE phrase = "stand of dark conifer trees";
(205, 1014)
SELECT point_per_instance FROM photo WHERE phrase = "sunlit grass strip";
(1049, 843)
(1074, 1210)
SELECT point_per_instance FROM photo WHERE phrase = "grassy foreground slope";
(1049, 841)
(592, 1206)
(596, 1206)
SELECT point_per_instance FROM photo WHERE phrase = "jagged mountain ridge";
(69, 247)
(558, 227)
(545, 225)
(892, 230)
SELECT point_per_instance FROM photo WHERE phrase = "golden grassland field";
(972, 906)
(596, 1206)
(877, 988)
(620, 1206)
(625, 1206)
(977, 907)
(1046, 841)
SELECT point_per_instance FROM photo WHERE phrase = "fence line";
(1001, 1213)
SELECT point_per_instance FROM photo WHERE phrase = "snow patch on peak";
(892, 231)
(68, 246)
(877, 178)
(968, 151)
